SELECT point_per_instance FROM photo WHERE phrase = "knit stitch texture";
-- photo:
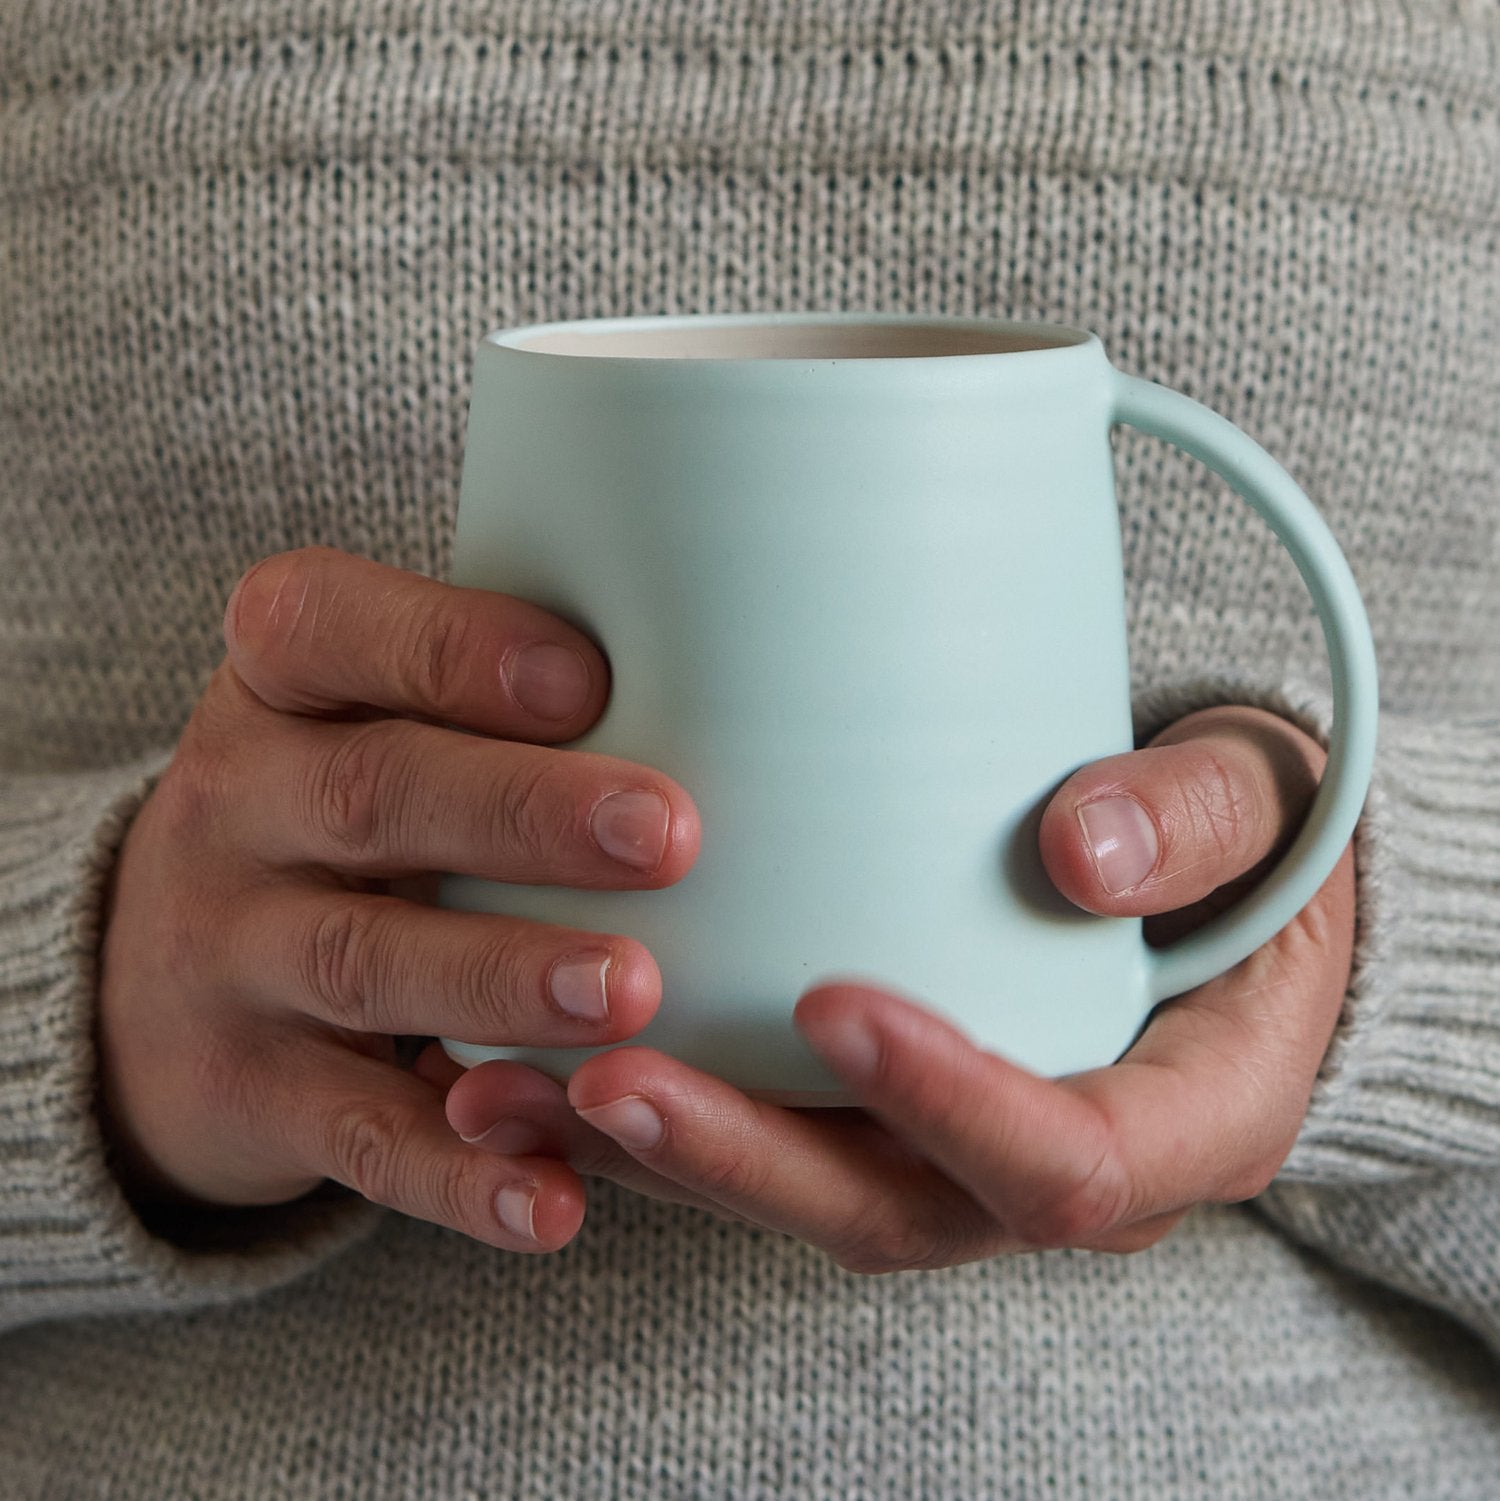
(247, 251)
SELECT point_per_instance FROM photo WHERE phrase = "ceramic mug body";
(859, 582)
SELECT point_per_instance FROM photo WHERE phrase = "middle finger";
(388, 796)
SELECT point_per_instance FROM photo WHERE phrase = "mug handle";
(1259, 479)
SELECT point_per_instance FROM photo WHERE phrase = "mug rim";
(1063, 339)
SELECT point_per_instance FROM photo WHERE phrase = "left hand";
(958, 1155)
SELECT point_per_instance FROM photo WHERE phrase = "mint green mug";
(859, 581)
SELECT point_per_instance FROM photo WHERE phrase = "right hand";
(256, 965)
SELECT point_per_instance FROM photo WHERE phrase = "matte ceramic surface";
(859, 581)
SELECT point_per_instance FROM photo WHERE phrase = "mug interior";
(796, 341)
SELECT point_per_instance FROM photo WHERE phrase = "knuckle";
(1066, 1220)
(372, 1151)
(196, 786)
(356, 790)
(1083, 1209)
(735, 1175)
(436, 655)
(368, 1140)
(457, 1184)
(888, 1241)
(523, 813)
(1321, 926)
(492, 975)
(336, 964)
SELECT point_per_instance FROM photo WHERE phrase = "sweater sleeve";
(71, 1243)
(1395, 1173)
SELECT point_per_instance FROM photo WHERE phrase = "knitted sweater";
(247, 251)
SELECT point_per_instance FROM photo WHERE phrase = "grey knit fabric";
(247, 249)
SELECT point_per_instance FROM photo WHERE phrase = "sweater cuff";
(70, 1241)
(1411, 1079)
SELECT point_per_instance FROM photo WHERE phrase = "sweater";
(248, 249)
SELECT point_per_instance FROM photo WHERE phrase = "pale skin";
(267, 941)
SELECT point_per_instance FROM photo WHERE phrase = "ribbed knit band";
(1410, 1082)
(1414, 1082)
(70, 1243)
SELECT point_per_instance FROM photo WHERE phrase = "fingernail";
(630, 1120)
(1122, 838)
(632, 827)
(848, 1046)
(577, 985)
(548, 680)
(515, 1205)
(510, 1136)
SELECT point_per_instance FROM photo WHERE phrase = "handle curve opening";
(1259, 479)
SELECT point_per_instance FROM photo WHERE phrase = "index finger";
(317, 631)
(1204, 1107)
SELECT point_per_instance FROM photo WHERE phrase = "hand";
(257, 963)
(959, 1155)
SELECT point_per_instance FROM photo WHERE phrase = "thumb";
(1212, 798)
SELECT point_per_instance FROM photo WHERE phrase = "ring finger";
(376, 963)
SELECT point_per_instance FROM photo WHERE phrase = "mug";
(859, 581)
